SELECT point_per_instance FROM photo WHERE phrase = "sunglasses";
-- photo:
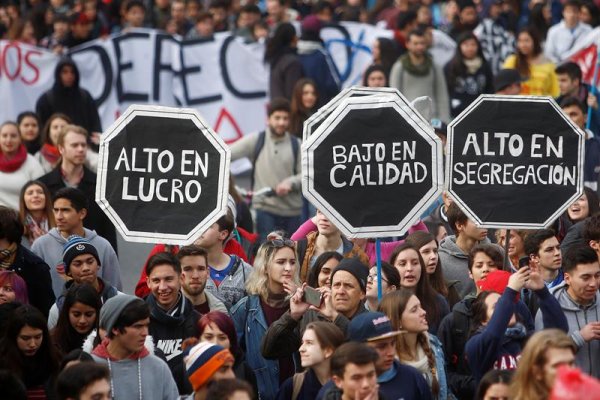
(279, 243)
(373, 278)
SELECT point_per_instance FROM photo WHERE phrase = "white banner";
(224, 79)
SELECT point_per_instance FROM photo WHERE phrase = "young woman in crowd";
(375, 76)
(12, 288)
(390, 281)
(415, 346)
(27, 350)
(48, 156)
(585, 206)
(35, 211)
(413, 276)
(275, 272)
(385, 54)
(428, 248)
(29, 127)
(16, 165)
(218, 328)
(495, 385)
(280, 55)
(78, 317)
(516, 248)
(497, 335)
(319, 341)
(468, 74)
(533, 66)
(303, 104)
(319, 274)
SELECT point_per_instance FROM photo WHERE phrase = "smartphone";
(312, 296)
(523, 262)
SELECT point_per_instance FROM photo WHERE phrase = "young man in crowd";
(134, 372)
(84, 381)
(570, 84)
(543, 354)
(439, 216)
(227, 273)
(31, 268)
(454, 249)
(415, 74)
(580, 303)
(277, 165)
(172, 316)
(194, 274)
(72, 172)
(563, 36)
(343, 302)
(81, 263)
(70, 209)
(354, 372)
(206, 363)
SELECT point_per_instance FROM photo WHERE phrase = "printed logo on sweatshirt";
(507, 362)
(171, 347)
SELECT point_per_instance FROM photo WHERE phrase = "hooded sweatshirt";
(578, 316)
(50, 248)
(169, 329)
(455, 265)
(140, 370)
(75, 102)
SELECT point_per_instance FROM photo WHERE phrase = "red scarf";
(14, 163)
(50, 153)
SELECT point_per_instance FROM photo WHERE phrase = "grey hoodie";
(455, 265)
(588, 355)
(49, 247)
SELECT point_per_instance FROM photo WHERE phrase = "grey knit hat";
(112, 309)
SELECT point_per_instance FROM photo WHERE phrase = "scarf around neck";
(35, 230)
(417, 70)
(50, 153)
(7, 256)
(14, 163)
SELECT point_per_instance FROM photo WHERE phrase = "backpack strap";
(295, 148)
(297, 380)
(461, 326)
(260, 143)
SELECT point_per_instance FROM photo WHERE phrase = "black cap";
(370, 326)
(359, 270)
(505, 78)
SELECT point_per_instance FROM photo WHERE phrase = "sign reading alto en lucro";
(373, 165)
(514, 161)
(163, 175)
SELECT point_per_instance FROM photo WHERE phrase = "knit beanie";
(203, 360)
(76, 246)
(359, 270)
(112, 309)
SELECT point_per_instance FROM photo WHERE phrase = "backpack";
(298, 380)
(260, 143)
(461, 327)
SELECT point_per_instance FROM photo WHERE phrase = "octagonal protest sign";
(163, 175)
(372, 166)
(315, 120)
(514, 161)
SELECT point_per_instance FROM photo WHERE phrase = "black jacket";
(169, 332)
(36, 274)
(95, 219)
(75, 102)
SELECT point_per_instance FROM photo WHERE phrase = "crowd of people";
(272, 301)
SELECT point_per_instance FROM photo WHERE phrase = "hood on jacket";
(88, 344)
(567, 303)
(58, 85)
(309, 46)
(55, 233)
(178, 318)
(448, 245)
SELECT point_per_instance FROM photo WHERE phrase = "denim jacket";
(251, 326)
(440, 367)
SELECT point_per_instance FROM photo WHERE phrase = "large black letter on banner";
(158, 65)
(227, 79)
(106, 67)
(127, 96)
(194, 70)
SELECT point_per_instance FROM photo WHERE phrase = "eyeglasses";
(279, 243)
(372, 278)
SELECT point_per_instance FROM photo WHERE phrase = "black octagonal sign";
(162, 175)
(514, 161)
(372, 166)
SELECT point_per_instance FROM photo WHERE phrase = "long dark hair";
(426, 294)
(419, 239)
(46, 358)
(280, 43)
(479, 311)
(522, 64)
(313, 275)
(47, 209)
(64, 335)
(456, 66)
(299, 113)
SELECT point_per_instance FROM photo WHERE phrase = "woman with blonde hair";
(274, 277)
(545, 351)
(415, 346)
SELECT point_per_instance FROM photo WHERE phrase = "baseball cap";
(370, 326)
